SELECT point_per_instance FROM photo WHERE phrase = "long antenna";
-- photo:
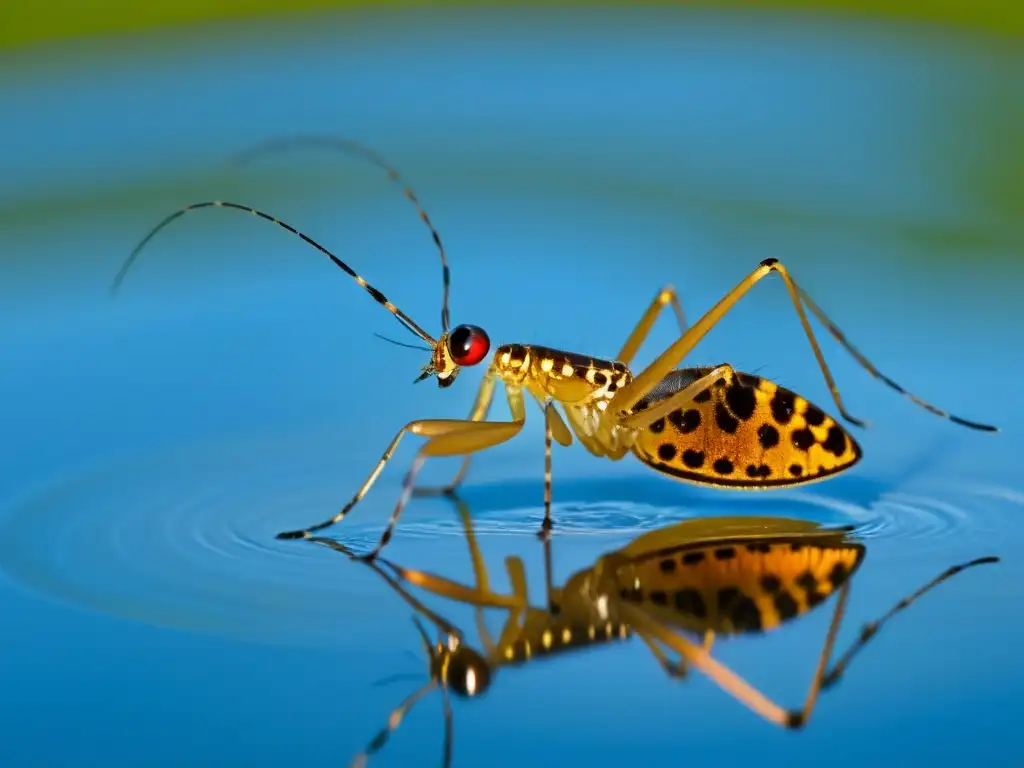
(355, 148)
(376, 295)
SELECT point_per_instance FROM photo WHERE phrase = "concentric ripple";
(186, 539)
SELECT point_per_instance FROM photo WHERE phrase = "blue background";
(152, 446)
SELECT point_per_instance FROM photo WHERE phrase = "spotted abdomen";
(741, 585)
(743, 433)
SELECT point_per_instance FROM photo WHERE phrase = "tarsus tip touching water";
(712, 426)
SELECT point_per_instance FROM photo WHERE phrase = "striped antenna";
(356, 149)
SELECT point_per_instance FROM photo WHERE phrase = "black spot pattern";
(809, 585)
(657, 427)
(686, 422)
(666, 451)
(725, 420)
(786, 605)
(723, 467)
(741, 401)
(838, 574)
(768, 435)
(745, 615)
(796, 470)
(668, 565)
(693, 558)
(770, 583)
(693, 459)
(632, 595)
(689, 601)
(658, 597)
(803, 439)
(758, 470)
(783, 404)
(814, 415)
(702, 397)
(726, 597)
(725, 553)
(600, 379)
(835, 441)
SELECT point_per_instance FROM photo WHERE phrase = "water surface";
(154, 445)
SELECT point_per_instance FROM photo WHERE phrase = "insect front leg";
(484, 435)
(667, 295)
(481, 406)
(464, 438)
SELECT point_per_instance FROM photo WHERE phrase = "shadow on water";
(680, 588)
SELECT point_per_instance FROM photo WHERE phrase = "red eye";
(468, 344)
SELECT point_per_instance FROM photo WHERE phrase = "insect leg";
(481, 596)
(870, 629)
(482, 404)
(394, 720)
(675, 669)
(725, 678)
(641, 384)
(469, 437)
(516, 603)
(423, 427)
(439, 621)
(679, 399)
(666, 295)
(554, 427)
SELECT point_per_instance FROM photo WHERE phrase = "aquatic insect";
(712, 426)
(678, 589)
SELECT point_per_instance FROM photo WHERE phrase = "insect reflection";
(677, 589)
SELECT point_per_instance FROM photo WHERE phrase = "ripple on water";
(186, 539)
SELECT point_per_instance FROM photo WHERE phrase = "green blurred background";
(28, 23)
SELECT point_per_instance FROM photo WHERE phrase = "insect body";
(678, 589)
(712, 426)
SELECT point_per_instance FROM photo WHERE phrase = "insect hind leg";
(647, 379)
(839, 336)
(667, 295)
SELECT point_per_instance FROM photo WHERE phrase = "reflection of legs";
(628, 396)
(467, 437)
(728, 680)
(870, 629)
(677, 668)
(436, 619)
(394, 720)
(481, 406)
(666, 295)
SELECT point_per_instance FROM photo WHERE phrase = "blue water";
(155, 444)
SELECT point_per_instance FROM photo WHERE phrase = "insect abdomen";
(749, 433)
(733, 587)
